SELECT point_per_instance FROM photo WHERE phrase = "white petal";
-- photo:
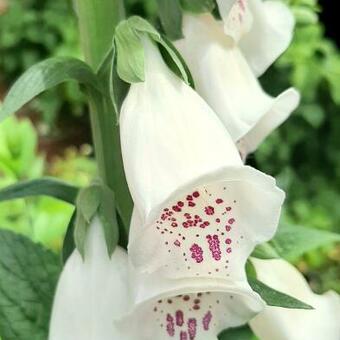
(91, 294)
(223, 78)
(192, 309)
(270, 34)
(209, 227)
(289, 324)
(169, 136)
(281, 109)
(237, 17)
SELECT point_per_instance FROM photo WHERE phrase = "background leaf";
(44, 76)
(170, 13)
(275, 298)
(292, 241)
(239, 333)
(198, 6)
(40, 187)
(265, 252)
(28, 276)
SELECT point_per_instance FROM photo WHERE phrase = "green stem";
(97, 22)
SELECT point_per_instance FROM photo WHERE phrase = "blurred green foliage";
(43, 219)
(33, 30)
(303, 154)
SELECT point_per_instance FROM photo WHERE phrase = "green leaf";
(130, 53)
(69, 244)
(80, 232)
(275, 298)
(170, 13)
(265, 252)
(292, 241)
(28, 277)
(88, 201)
(250, 270)
(239, 333)
(130, 50)
(97, 199)
(198, 6)
(108, 218)
(44, 187)
(44, 76)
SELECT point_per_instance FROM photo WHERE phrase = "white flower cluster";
(199, 211)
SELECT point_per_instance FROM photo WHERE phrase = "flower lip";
(212, 239)
(213, 306)
(227, 174)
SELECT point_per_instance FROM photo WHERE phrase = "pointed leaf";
(265, 252)
(44, 76)
(28, 276)
(170, 13)
(107, 215)
(198, 6)
(88, 201)
(69, 244)
(44, 187)
(80, 232)
(239, 333)
(292, 241)
(275, 298)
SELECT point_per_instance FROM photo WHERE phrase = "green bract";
(130, 51)
(95, 200)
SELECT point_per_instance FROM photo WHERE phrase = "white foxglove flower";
(199, 211)
(262, 29)
(292, 324)
(190, 308)
(94, 301)
(91, 293)
(225, 80)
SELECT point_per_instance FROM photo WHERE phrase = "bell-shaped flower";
(91, 293)
(194, 306)
(262, 29)
(199, 212)
(295, 324)
(224, 79)
(94, 301)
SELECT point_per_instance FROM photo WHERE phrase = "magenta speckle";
(229, 250)
(209, 210)
(227, 227)
(179, 318)
(196, 194)
(192, 328)
(206, 320)
(196, 253)
(219, 201)
(176, 208)
(214, 246)
(183, 336)
(228, 208)
(177, 243)
(231, 220)
(180, 204)
(191, 204)
(228, 241)
(170, 325)
(189, 198)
